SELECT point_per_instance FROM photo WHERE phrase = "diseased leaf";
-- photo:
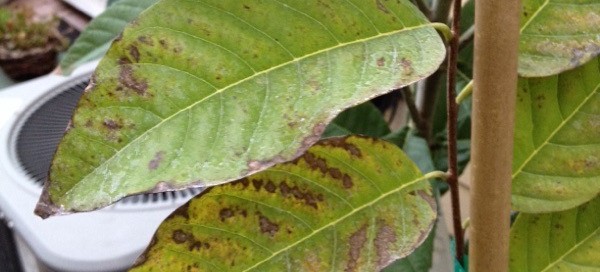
(95, 40)
(560, 241)
(558, 35)
(556, 163)
(419, 260)
(198, 93)
(347, 204)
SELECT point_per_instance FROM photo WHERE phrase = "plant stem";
(427, 89)
(495, 82)
(412, 109)
(452, 109)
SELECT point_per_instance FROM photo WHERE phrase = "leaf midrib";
(576, 246)
(255, 75)
(558, 128)
(535, 14)
(435, 174)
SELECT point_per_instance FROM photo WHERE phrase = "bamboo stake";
(495, 82)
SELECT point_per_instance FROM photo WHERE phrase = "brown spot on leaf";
(244, 182)
(267, 226)
(180, 236)
(257, 183)
(155, 162)
(195, 245)
(182, 211)
(126, 79)
(383, 239)
(284, 189)
(356, 242)
(246, 7)
(270, 187)
(225, 213)
(146, 40)
(407, 67)
(111, 124)
(134, 52)
(343, 144)
(163, 43)
(381, 62)
(347, 181)
(381, 6)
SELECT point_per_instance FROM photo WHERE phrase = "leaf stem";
(465, 92)
(444, 29)
(452, 110)
(436, 175)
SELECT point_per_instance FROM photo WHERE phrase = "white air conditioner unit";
(33, 116)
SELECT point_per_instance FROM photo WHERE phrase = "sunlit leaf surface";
(560, 241)
(347, 204)
(556, 162)
(198, 93)
(558, 35)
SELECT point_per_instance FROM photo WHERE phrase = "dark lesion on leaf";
(407, 66)
(381, 62)
(384, 238)
(356, 244)
(163, 43)
(317, 163)
(156, 161)
(381, 6)
(182, 211)
(225, 214)
(342, 142)
(134, 52)
(146, 40)
(127, 79)
(111, 124)
(267, 226)
(180, 236)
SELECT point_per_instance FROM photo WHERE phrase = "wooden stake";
(495, 83)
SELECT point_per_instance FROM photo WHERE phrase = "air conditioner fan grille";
(41, 132)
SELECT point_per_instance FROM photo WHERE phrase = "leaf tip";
(45, 207)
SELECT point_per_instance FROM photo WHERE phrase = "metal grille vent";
(41, 132)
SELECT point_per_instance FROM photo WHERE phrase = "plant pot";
(23, 65)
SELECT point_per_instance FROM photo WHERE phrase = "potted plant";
(28, 48)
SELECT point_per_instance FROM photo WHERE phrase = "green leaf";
(95, 40)
(364, 119)
(558, 35)
(560, 241)
(556, 163)
(348, 204)
(198, 93)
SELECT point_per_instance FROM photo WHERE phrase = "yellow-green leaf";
(558, 35)
(556, 162)
(560, 241)
(348, 204)
(202, 92)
